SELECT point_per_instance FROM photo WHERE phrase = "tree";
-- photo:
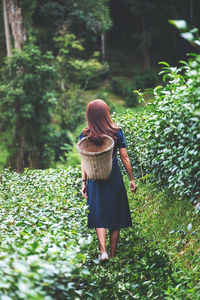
(76, 73)
(7, 29)
(27, 98)
(16, 22)
(85, 18)
(143, 9)
(94, 16)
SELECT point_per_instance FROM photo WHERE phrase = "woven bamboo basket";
(97, 160)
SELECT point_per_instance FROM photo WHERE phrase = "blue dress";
(107, 199)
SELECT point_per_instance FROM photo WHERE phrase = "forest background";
(65, 53)
(55, 57)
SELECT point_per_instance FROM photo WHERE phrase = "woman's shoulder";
(82, 135)
(120, 132)
(121, 142)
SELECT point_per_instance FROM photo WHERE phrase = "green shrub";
(125, 89)
(70, 112)
(27, 98)
(172, 139)
(93, 75)
(74, 68)
(147, 80)
(70, 156)
(132, 125)
(46, 251)
(43, 242)
(112, 105)
(164, 142)
(118, 86)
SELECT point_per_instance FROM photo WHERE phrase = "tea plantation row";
(47, 252)
(164, 142)
(42, 234)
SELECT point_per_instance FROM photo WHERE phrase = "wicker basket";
(97, 160)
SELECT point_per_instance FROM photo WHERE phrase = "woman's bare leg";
(114, 236)
(101, 235)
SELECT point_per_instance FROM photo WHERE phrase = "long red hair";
(99, 121)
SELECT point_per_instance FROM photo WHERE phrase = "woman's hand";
(126, 161)
(133, 186)
(84, 191)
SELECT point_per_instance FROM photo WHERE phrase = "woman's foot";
(103, 257)
(110, 255)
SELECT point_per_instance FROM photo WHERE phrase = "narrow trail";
(140, 270)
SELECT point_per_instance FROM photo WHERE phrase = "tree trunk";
(7, 29)
(191, 11)
(19, 161)
(146, 58)
(103, 52)
(16, 160)
(145, 48)
(16, 23)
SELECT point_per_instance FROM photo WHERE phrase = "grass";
(118, 101)
(3, 156)
(157, 258)
(167, 219)
(89, 95)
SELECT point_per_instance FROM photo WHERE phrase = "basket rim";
(86, 153)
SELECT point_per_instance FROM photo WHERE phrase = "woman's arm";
(127, 165)
(84, 180)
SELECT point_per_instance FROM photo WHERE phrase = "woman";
(107, 199)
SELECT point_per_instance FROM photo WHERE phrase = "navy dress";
(107, 199)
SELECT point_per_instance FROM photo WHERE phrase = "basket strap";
(114, 156)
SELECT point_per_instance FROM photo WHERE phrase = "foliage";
(3, 156)
(75, 69)
(125, 89)
(173, 130)
(93, 16)
(27, 97)
(71, 155)
(113, 107)
(139, 271)
(147, 80)
(70, 108)
(46, 252)
(132, 125)
(164, 143)
(43, 241)
(86, 18)
(191, 35)
(172, 224)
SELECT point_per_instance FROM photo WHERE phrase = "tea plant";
(43, 237)
(164, 143)
(47, 252)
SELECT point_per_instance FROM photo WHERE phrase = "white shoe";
(103, 257)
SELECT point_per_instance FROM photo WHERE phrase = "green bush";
(69, 111)
(164, 142)
(113, 106)
(125, 89)
(43, 242)
(27, 99)
(147, 80)
(74, 68)
(47, 252)
(93, 75)
(132, 125)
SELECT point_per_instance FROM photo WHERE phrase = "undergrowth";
(47, 252)
(158, 258)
